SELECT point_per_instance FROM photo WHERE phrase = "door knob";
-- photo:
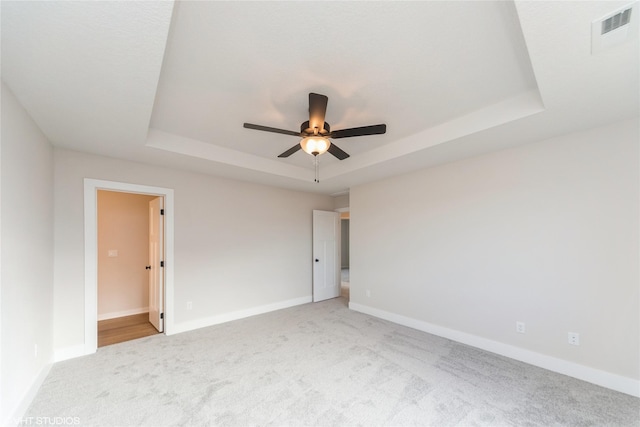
(317, 260)
(148, 267)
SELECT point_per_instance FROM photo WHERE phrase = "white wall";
(238, 245)
(123, 226)
(341, 202)
(27, 256)
(545, 233)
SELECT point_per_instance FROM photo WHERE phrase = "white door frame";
(91, 187)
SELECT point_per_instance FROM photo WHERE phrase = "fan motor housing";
(304, 128)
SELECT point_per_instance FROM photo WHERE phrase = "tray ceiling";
(172, 83)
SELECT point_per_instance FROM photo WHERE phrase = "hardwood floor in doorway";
(112, 331)
(344, 284)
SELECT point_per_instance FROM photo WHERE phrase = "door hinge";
(161, 263)
(162, 315)
(161, 211)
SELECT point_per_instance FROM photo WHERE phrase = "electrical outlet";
(574, 338)
(368, 293)
(189, 305)
(520, 327)
(112, 253)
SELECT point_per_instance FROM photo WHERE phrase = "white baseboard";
(602, 378)
(16, 417)
(72, 352)
(235, 315)
(116, 314)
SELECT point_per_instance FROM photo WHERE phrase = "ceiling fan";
(315, 133)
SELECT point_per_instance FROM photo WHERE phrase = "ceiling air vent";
(615, 28)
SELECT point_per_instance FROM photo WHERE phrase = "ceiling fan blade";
(361, 131)
(290, 151)
(337, 151)
(317, 110)
(269, 129)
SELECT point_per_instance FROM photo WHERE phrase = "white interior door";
(156, 257)
(326, 255)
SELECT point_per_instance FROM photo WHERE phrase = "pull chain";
(316, 163)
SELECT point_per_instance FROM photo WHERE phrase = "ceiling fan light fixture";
(315, 145)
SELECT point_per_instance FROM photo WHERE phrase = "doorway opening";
(165, 297)
(126, 283)
(344, 254)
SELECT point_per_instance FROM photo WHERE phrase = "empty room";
(320, 213)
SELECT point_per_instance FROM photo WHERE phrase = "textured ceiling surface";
(172, 83)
